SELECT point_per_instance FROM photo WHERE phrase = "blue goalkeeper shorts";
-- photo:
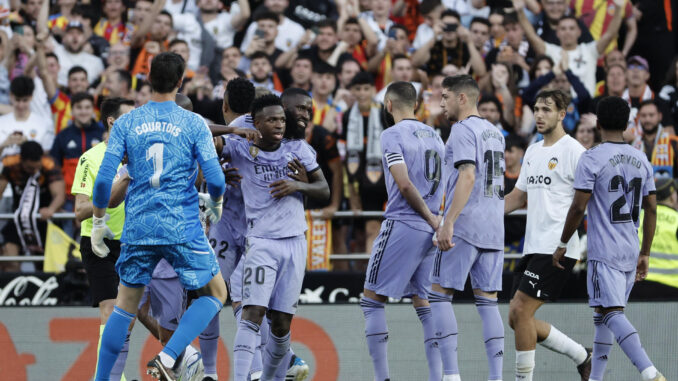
(193, 261)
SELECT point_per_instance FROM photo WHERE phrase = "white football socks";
(561, 343)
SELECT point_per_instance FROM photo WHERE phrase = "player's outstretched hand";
(247, 133)
(557, 256)
(232, 176)
(642, 268)
(298, 171)
(100, 231)
(282, 188)
(443, 238)
(213, 208)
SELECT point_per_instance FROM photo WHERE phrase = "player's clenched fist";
(213, 208)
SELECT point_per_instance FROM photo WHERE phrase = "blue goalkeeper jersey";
(164, 145)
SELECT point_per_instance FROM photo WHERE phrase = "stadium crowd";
(61, 59)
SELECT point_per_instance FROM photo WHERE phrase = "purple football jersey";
(234, 208)
(268, 217)
(476, 141)
(420, 148)
(618, 177)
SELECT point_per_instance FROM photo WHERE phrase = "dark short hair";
(490, 98)
(613, 114)
(480, 20)
(304, 57)
(82, 96)
(31, 150)
(362, 78)
(327, 23)
(264, 101)
(141, 84)
(125, 76)
(76, 69)
(87, 12)
(167, 69)
(401, 27)
(402, 94)
(267, 15)
(166, 13)
(292, 92)
(110, 107)
(342, 62)
(428, 6)
(352, 20)
(22, 86)
(176, 41)
(258, 55)
(515, 141)
(569, 17)
(450, 12)
(399, 56)
(510, 19)
(242, 95)
(322, 67)
(463, 83)
(560, 98)
(649, 102)
(50, 54)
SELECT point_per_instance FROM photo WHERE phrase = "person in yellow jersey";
(663, 271)
(101, 273)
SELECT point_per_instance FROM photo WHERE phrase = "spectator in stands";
(362, 127)
(497, 30)
(656, 36)
(262, 74)
(154, 41)
(72, 53)
(4, 74)
(583, 57)
(88, 17)
(490, 108)
(669, 93)
(597, 18)
(359, 40)
(29, 10)
(301, 72)
(502, 84)
(435, 116)
(309, 12)
(514, 226)
(324, 81)
(119, 85)
(220, 25)
(455, 47)
(638, 91)
(660, 147)
(381, 64)
(80, 135)
(77, 82)
(378, 18)
(615, 83)
(112, 24)
(289, 32)
(402, 70)
(480, 35)
(21, 50)
(586, 132)
(143, 94)
(231, 58)
(324, 44)
(515, 51)
(57, 22)
(264, 38)
(348, 68)
(562, 78)
(34, 178)
(181, 48)
(23, 124)
(547, 25)
(118, 57)
(430, 10)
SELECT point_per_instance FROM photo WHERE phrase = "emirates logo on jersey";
(552, 163)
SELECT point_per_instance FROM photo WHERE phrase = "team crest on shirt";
(552, 163)
(254, 151)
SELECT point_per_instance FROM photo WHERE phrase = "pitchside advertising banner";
(59, 343)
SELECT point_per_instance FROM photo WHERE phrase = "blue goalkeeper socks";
(194, 321)
(112, 341)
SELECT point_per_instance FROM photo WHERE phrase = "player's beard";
(387, 118)
(292, 129)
